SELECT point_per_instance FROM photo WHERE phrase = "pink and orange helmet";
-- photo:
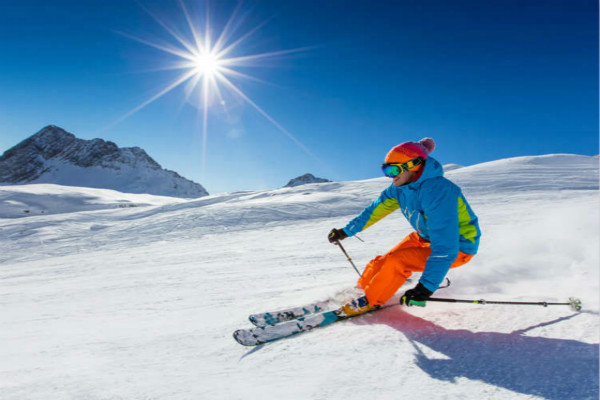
(409, 151)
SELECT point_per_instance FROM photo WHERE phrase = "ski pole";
(574, 303)
(337, 242)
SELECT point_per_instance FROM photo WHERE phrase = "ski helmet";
(408, 151)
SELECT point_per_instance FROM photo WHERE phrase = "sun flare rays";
(206, 65)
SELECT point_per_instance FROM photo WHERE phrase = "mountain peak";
(54, 155)
(304, 179)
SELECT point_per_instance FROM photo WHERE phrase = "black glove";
(416, 296)
(336, 234)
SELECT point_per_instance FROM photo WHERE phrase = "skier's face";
(404, 178)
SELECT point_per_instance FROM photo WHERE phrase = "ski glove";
(336, 235)
(416, 296)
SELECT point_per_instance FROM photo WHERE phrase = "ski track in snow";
(104, 301)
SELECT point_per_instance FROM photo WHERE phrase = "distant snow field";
(106, 295)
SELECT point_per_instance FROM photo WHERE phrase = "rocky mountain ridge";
(54, 155)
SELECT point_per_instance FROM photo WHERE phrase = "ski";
(292, 313)
(289, 314)
(269, 333)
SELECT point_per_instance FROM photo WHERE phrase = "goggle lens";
(391, 171)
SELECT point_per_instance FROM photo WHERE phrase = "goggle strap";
(412, 163)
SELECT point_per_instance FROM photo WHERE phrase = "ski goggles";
(392, 170)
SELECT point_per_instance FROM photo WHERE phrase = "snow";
(36, 199)
(127, 178)
(100, 301)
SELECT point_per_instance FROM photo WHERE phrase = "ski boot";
(357, 306)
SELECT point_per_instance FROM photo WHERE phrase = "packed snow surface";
(105, 295)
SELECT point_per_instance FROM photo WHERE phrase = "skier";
(446, 229)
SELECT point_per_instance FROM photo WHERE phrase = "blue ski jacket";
(437, 210)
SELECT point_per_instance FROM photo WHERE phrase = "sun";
(207, 66)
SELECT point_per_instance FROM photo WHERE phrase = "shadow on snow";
(551, 368)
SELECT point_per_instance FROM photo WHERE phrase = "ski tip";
(245, 338)
(254, 321)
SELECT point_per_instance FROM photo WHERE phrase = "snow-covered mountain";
(305, 179)
(55, 156)
(451, 167)
(106, 302)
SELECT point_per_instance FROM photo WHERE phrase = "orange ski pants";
(384, 275)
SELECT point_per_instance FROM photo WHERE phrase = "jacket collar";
(431, 169)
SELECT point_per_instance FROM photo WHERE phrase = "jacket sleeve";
(384, 205)
(440, 206)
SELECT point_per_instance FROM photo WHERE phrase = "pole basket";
(575, 304)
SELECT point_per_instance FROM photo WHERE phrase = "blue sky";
(487, 80)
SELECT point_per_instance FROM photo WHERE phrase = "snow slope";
(37, 199)
(140, 302)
